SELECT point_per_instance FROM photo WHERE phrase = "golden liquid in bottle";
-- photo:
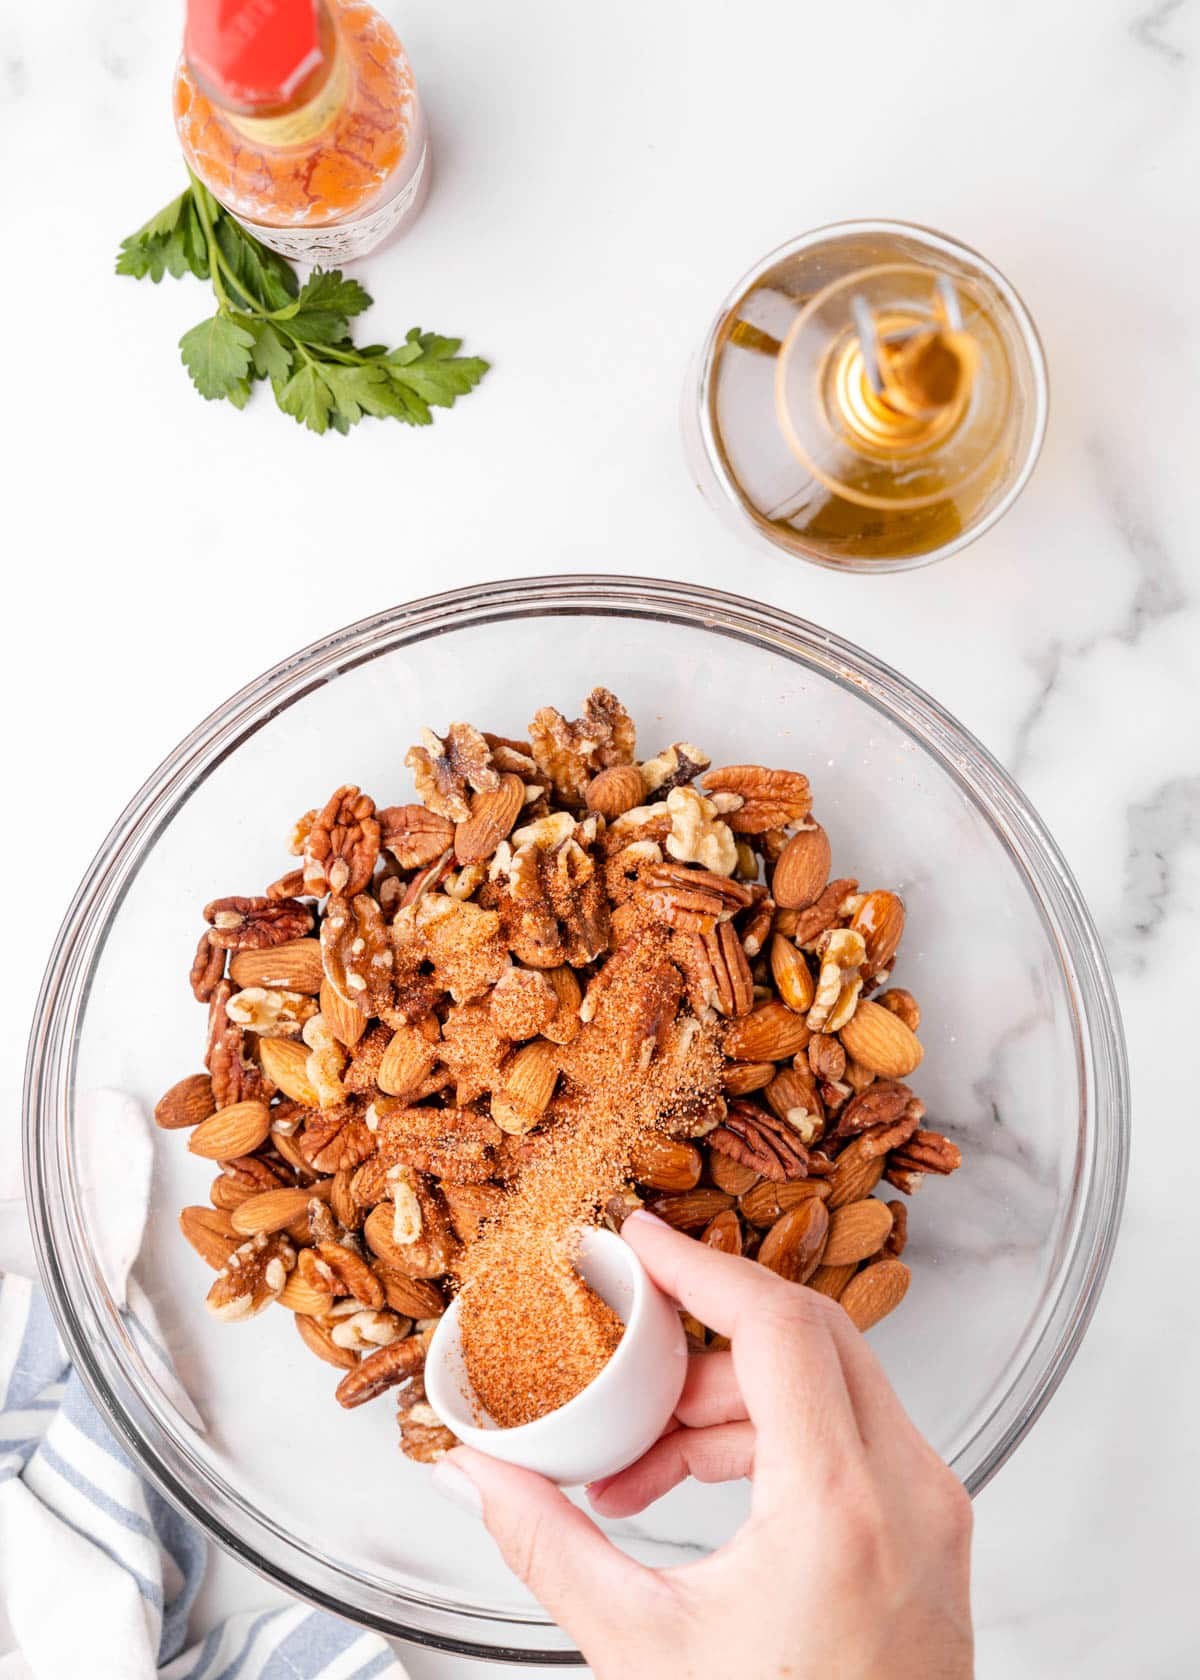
(820, 462)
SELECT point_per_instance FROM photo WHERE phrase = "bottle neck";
(301, 120)
(269, 65)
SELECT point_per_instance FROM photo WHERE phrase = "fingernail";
(457, 1487)
(644, 1216)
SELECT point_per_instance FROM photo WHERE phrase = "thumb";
(562, 1557)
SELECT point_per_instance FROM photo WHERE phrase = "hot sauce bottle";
(302, 118)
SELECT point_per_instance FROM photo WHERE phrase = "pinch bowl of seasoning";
(613, 1420)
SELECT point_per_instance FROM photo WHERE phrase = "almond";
(832, 1280)
(740, 1078)
(293, 967)
(663, 1164)
(803, 869)
(300, 1296)
(767, 1202)
(616, 790)
(342, 1199)
(527, 1083)
(692, 1210)
(285, 1063)
(210, 1233)
(769, 1033)
(855, 1232)
(407, 1062)
(321, 1342)
(236, 1130)
(724, 1233)
(730, 1175)
(493, 814)
(187, 1103)
(792, 975)
(856, 1174)
(880, 920)
(880, 1041)
(274, 1210)
(414, 1297)
(565, 1023)
(346, 1020)
(875, 1292)
(794, 1244)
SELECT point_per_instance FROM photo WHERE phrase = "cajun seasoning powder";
(302, 118)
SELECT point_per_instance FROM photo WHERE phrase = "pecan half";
(335, 1139)
(414, 835)
(808, 925)
(770, 798)
(255, 924)
(693, 900)
(456, 1144)
(881, 1104)
(926, 1152)
(750, 1135)
(894, 1136)
(732, 980)
(381, 1370)
(342, 845)
(336, 1266)
(445, 767)
(208, 968)
(234, 1077)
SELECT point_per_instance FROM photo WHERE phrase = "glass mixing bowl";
(1024, 1065)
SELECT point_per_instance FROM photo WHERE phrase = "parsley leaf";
(270, 327)
(307, 398)
(272, 358)
(436, 372)
(217, 355)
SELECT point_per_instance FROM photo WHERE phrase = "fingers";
(710, 1392)
(562, 1557)
(722, 1453)
(720, 1290)
(784, 1354)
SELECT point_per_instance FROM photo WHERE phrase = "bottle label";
(344, 241)
(297, 128)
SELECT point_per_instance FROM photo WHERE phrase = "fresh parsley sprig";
(269, 326)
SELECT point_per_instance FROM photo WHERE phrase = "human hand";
(854, 1561)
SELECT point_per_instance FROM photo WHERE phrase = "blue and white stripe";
(97, 1572)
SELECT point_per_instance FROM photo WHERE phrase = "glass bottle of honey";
(871, 397)
(302, 118)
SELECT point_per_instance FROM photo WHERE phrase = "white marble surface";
(601, 179)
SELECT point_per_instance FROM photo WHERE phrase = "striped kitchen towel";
(98, 1572)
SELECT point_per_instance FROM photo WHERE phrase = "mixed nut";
(394, 1023)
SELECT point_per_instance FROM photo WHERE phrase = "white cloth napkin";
(97, 1571)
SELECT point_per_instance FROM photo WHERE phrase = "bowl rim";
(1100, 1051)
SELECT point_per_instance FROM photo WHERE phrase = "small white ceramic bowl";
(617, 1417)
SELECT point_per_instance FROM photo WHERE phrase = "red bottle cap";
(252, 54)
